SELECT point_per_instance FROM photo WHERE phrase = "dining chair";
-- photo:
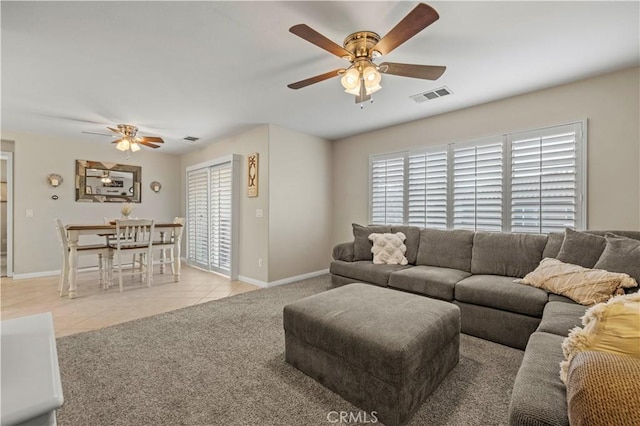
(111, 238)
(134, 236)
(167, 245)
(102, 250)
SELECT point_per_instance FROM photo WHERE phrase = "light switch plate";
(259, 213)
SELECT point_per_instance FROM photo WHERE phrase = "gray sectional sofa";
(476, 271)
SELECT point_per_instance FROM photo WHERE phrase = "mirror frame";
(81, 181)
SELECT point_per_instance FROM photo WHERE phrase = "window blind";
(477, 186)
(220, 218)
(387, 189)
(544, 179)
(197, 217)
(427, 189)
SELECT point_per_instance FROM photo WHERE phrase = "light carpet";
(222, 363)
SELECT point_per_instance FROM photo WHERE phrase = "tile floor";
(96, 308)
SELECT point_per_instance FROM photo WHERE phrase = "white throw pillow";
(388, 249)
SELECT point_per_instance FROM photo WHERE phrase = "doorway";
(6, 214)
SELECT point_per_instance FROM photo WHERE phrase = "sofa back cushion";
(581, 248)
(554, 242)
(509, 255)
(412, 234)
(361, 243)
(621, 254)
(446, 249)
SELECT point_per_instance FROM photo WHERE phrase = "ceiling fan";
(362, 78)
(129, 141)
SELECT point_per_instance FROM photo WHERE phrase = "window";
(387, 188)
(545, 186)
(427, 189)
(522, 182)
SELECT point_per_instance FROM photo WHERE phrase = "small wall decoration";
(252, 175)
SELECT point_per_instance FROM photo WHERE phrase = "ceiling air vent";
(190, 138)
(433, 94)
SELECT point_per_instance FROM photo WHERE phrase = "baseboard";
(283, 281)
(36, 275)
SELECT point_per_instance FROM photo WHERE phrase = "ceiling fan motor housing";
(361, 43)
(128, 130)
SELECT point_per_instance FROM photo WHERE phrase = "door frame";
(8, 156)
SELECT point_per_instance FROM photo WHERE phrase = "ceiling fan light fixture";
(351, 80)
(123, 145)
(373, 89)
(134, 147)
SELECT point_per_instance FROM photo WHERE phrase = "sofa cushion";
(361, 243)
(431, 281)
(559, 298)
(554, 243)
(446, 249)
(509, 255)
(559, 317)
(585, 286)
(365, 270)
(343, 251)
(538, 396)
(412, 234)
(621, 254)
(581, 248)
(499, 292)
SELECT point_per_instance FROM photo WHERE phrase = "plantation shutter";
(220, 218)
(544, 179)
(477, 186)
(387, 189)
(197, 217)
(427, 189)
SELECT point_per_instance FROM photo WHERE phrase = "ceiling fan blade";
(152, 139)
(312, 36)
(99, 134)
(417, 20)
(426, 72)
(114, 130)
(149, 144)
(117, 140)
(313, 80)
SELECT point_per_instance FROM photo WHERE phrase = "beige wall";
(300, 203)
(610, 103)
(254, 231)
(36, 247)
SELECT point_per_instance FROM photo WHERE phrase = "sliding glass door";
(211, 205)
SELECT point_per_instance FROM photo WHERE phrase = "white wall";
(300, 203)
(610, 103)
(36, 246)
(254, 231)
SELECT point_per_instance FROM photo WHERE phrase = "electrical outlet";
(29, 213)
(259, 213)
(260, 263)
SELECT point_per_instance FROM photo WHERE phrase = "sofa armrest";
(343, 251)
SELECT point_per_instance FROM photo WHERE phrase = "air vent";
(190, 138)
(433, 94)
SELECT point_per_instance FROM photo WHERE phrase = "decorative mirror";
(101, 182)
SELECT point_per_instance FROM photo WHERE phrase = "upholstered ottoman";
(381, 349)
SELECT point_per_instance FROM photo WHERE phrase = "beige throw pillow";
(612, 327)
(583, 285)
(388, 249)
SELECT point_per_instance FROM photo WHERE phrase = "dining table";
(105, 229)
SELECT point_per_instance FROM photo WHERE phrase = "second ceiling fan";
(362, 78)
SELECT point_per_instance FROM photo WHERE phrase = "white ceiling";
(212, 69)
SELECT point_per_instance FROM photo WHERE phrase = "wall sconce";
(155, 186)
(54, 180)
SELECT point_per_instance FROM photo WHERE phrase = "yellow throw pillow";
(583, 285)
(612, 327)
